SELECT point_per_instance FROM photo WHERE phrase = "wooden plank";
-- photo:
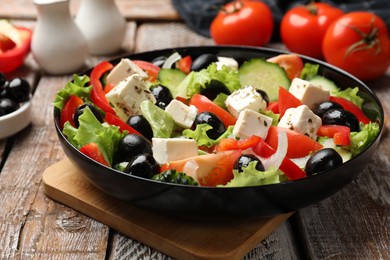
(32, 225)
(177, 236)
(132, 10)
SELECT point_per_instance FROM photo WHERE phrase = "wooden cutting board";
(176, 237)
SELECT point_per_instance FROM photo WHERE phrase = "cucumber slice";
(170, 78)
(324, 83)
(264, 75)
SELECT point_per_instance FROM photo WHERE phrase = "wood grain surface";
(352, 224)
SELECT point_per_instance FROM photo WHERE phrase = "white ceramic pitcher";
(58, 45)
(102, 24)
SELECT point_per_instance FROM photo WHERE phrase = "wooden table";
(353, 224)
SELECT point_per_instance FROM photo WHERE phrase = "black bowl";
(267, 200)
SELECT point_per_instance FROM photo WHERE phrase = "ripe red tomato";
(243, 23)
(359, 43)
(303, 28)
(291, 63)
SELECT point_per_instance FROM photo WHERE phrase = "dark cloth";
(198, 14)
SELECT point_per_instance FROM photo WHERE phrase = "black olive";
(213, 88)
(162, 94)
(263, 95)
(7, 106)
(19, 90)
(159, 61)
(244, 160)
(341, 117)
(143, 165)
(132, 145)
(80, 110)
(218, 128)
(203, 61)
(139, 123)
(323, 107)
(323, 160)
(3, 80)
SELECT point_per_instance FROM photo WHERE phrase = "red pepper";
(287, 100)
(97, 93)
(339, 133)
(67, 111)
(92, 151)
(13, 50)
(288, 167)
(351, 107)
(151, 69)
(114, 120)
(273, 106)
(234, 144)
(184, 64)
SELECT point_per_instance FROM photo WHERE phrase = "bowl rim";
(235, 48)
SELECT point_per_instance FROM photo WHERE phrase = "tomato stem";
(312, 8)
(237, 5)
(369, 40)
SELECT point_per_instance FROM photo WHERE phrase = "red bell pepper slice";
(288, 167)
(351, 107)
(273, 106)
(339, 133)
(97, 93)
(203, 104)
(92, 151)
(151, 69)
(234, 144)
(114, 120)
(13, 55)
(68, 110)
(184, 64)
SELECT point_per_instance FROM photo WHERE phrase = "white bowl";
(14, 122)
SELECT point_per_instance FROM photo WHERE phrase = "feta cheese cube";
(228, 62)
(172, 149)
(124, 69)
(245, 98)
(128, 95)
(182, 114)
(250, 123)
(310, 95)
(302, 120)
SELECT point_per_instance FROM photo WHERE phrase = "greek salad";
(214, 121)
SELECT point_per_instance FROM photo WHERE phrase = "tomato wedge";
(203, 104)
(97, 93)
(291, 63)
(184, 64)
(92, 151)
(339, 133)
(208, 170)
(151, 69)
(273, 106)
(67, 111)
(299, 145)
(351, 107)
(287, 100)
(234, 144)
(114, 120)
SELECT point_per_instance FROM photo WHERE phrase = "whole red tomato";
(243, 23)
(303, 27)
(358, 42)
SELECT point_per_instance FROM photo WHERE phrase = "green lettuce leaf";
(76, 87)
(360, 140)
(252, 177)
(202, 139)
(90, 130)
(309, 71)
(161, 122)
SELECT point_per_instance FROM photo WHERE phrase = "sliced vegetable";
(299, 145)
(351, 107)
(97, 93)
(92, 151)
(184, 64)
(206, 105)
(171, 60)
(114, 120)
(151, 69)
(340, 133)
(234, 144)
(68, 110)
(287, 100)
(291, 63)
